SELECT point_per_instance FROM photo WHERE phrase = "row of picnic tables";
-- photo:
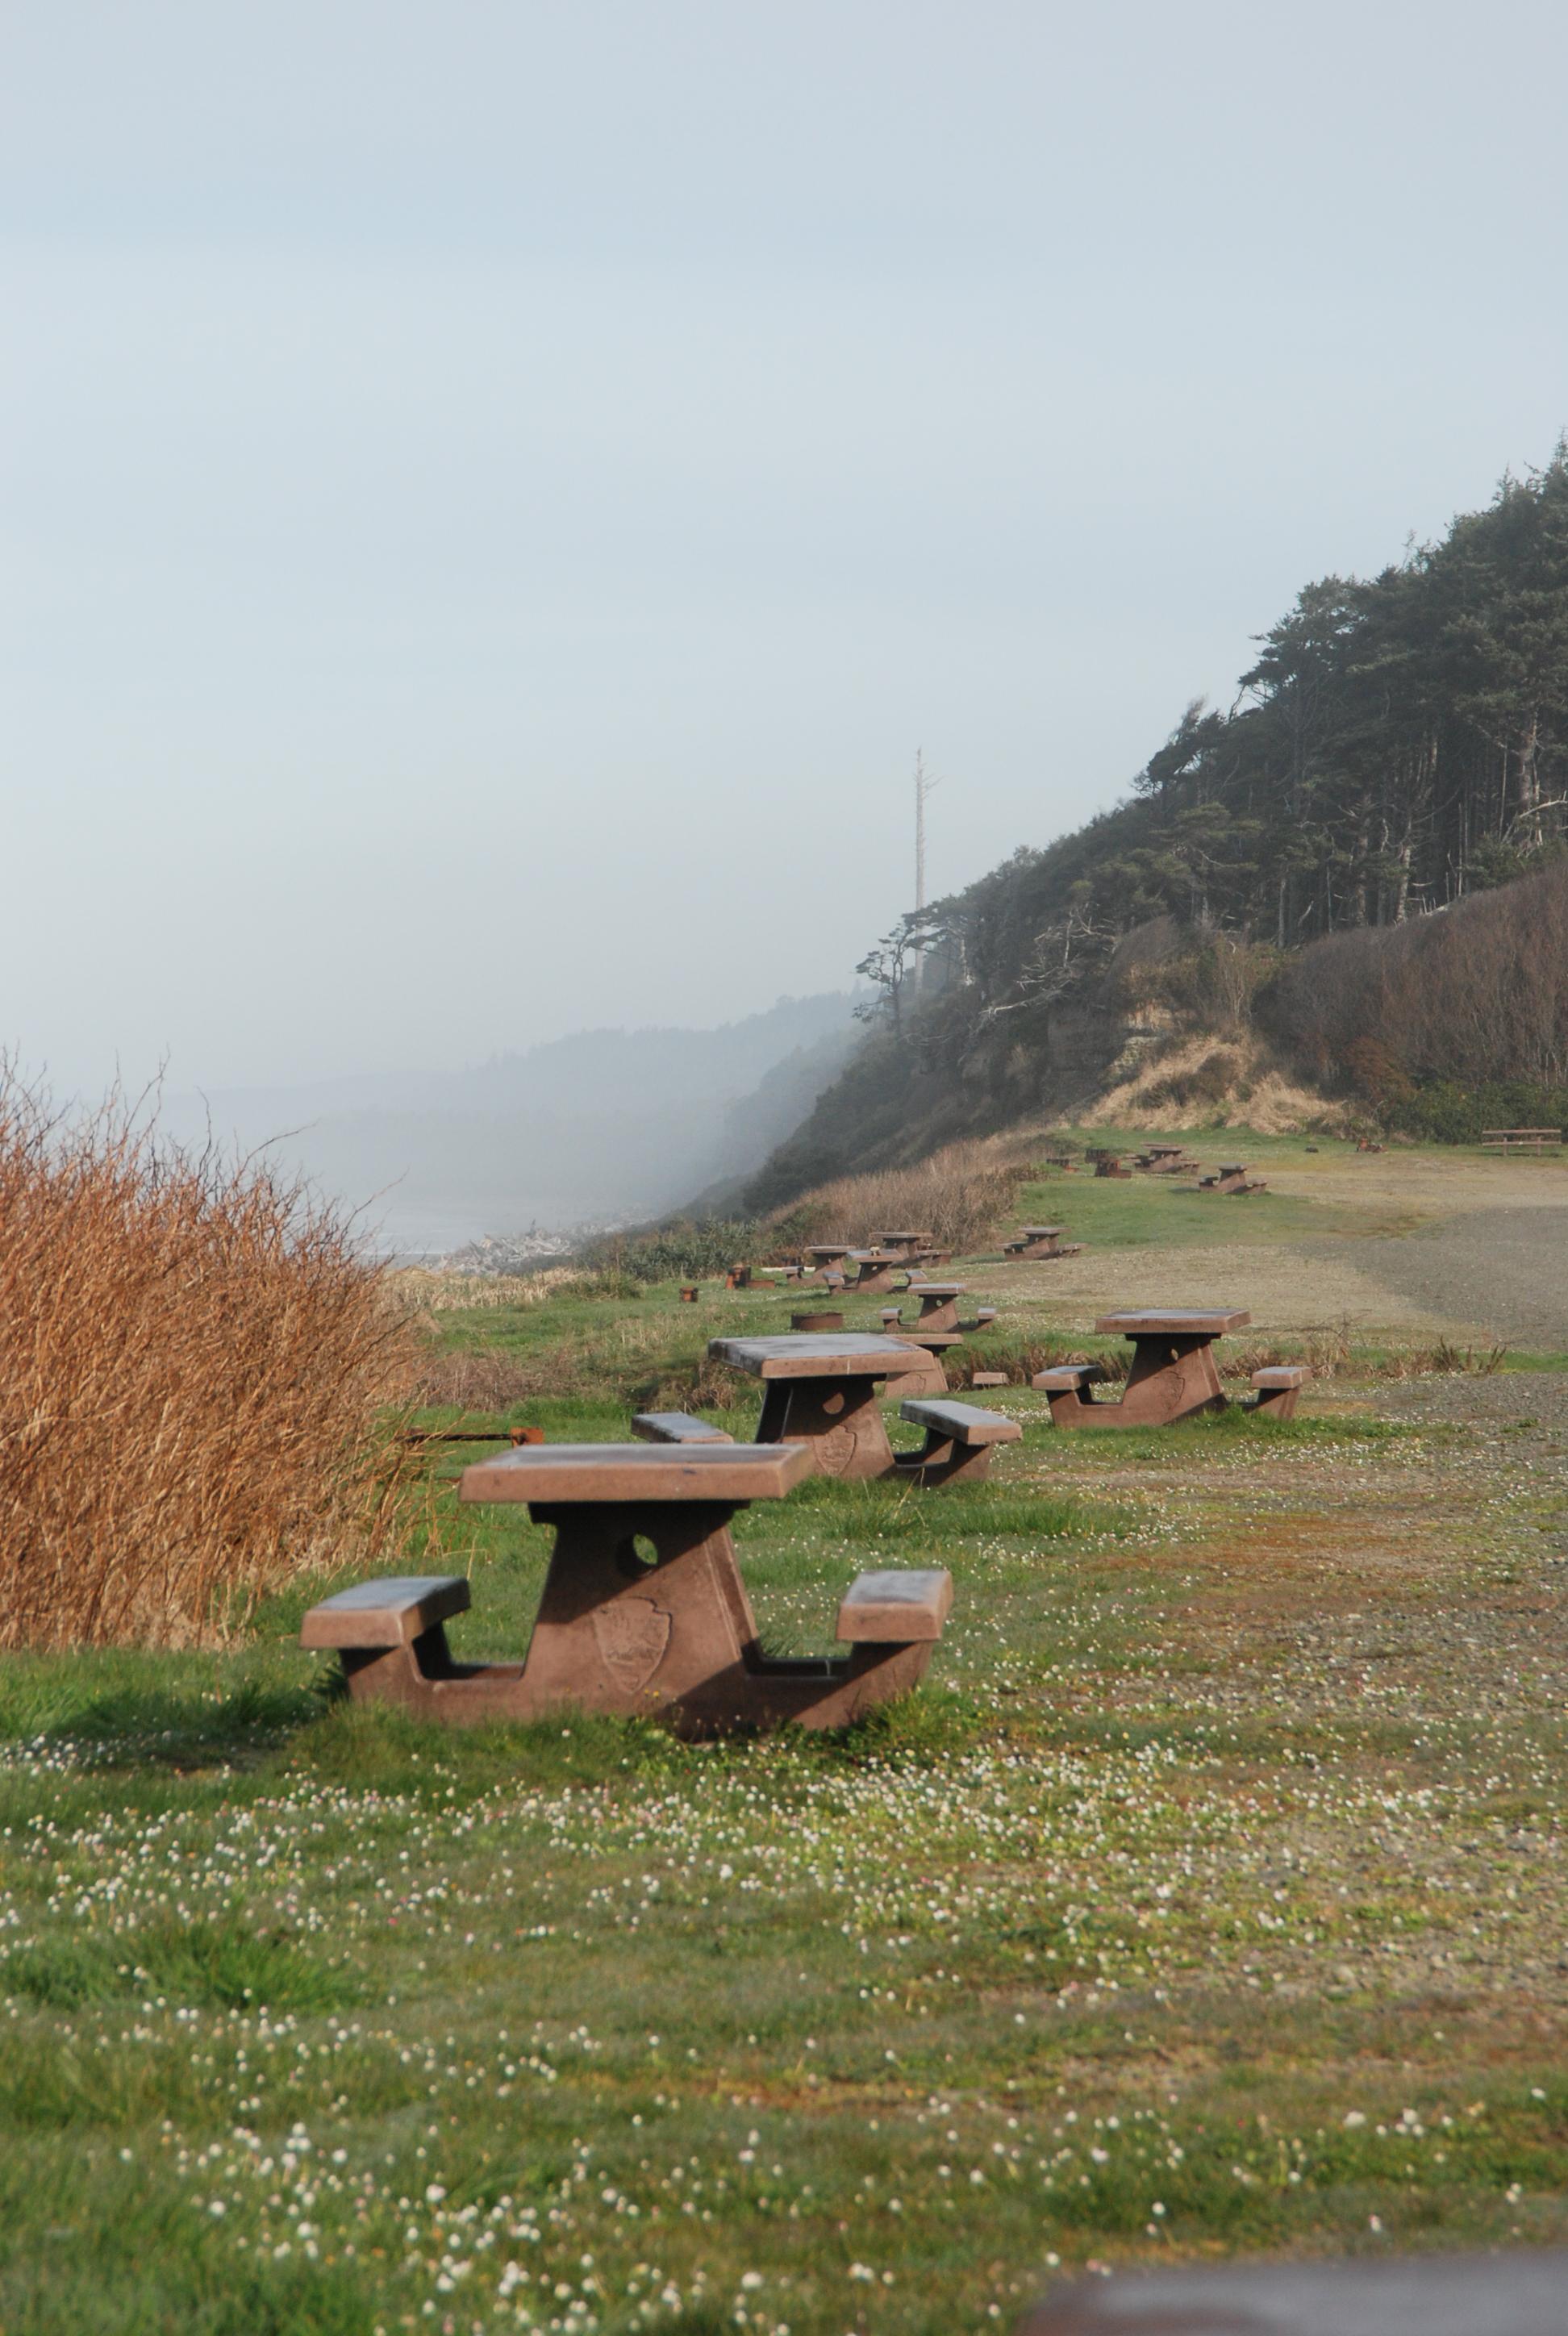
(644, 1609)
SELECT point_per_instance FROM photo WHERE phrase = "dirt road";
(1503, 1269)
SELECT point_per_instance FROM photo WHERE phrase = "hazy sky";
(496, 495)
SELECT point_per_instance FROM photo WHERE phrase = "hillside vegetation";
(1320, 865)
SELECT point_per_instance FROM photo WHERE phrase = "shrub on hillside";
(681, 1251)
(958, 1195)
(193, 1356)
(1473, 997)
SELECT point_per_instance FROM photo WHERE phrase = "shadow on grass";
(144, 1726)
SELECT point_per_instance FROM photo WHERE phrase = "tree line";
(1399, 744)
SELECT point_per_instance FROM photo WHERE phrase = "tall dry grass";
(193, 1361)
(961, 1194)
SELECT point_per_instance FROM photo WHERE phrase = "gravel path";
(1505, 1269)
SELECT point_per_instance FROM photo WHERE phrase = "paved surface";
(1505, 1269)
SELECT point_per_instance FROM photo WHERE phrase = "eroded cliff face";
(902, 1096)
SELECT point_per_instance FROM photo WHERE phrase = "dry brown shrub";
(958, 1195)
(193, 1360)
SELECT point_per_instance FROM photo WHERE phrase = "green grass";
(1207, 1898)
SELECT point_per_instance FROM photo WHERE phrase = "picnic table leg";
(1171, 1377)
(838, 1419)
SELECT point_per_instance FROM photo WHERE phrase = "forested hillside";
(1397, 744)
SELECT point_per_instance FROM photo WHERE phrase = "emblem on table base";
(632, 1634)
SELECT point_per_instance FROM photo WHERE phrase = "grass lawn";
(1207, 1899)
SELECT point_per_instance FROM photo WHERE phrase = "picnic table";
(905, 1244)
(1521, 1139)
(1234, 1178)
(1032, 1243)
(821, 1392)
(671, 1635)
(1164, 1159)
(826, 1259)
(929, 1376)
(875, 1269)
(1173, 1376)
(939, 1306)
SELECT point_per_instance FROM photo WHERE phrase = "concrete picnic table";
(875, 1269)
(822, 1391)
(1033, 1242)
(1233, 1177)
(939, 1306)
(671, 1636)
(906, 1243)
(826, 1257)
(1173, 1375)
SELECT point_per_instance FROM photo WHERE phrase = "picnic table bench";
(960, 1441)
(676, 1428)
(821, 1392)
(1033, 1243)
(671, 1635)
(1519, 2293)
(1521, 1139)
(1173, 1376)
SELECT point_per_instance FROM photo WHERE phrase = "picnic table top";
(1176, 1321)
(827, 1249)
(1500, 1132)
(875, 1256)
(1154, 1150)
(1041, 1233)
(815, 1355)
(936, 1289)
(903, 1236)
(1231, 1168)
(636, 1471)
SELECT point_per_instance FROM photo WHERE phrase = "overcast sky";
(496, 495)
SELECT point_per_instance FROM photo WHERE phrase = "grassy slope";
(1208, 1897)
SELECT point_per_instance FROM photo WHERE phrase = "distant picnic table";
(1174, 1375)
(1031, 1244)
(1521, 1139)
(820, 1391)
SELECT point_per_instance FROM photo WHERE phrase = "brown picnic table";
(1521, 1139)
(1032, 1243)
(875, 1269)
(1172, 1376)
(905, 1244)
(670, 1635)
(1233, 1177)
(822, 1391)
(826, 1257)
(935, 1331)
